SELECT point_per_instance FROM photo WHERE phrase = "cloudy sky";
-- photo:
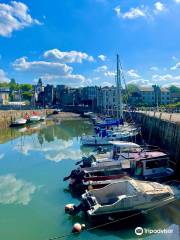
(75, 42)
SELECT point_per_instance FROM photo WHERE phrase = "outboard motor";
(73, 210)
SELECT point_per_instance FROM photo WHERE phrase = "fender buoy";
(77, 227)
(69, 207)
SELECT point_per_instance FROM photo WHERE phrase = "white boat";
(19, 122)
(34, 118)
(106, 136)
(124, 196)
(42, 117)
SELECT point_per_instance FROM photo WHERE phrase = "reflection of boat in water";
(123, 196)
(22, 129)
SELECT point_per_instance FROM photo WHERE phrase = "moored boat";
(34, 118)
(126, 159)
(105, 136)
(19, 122)
(123, 196)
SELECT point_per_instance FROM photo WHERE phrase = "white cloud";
(70, 77)
(49, 71)
(140, 82)
(14, 16)
(166, 80)
(177, 1)
(106, 84)
(159, 7)
(117, 10)
(67, 57)
(101, 68)
(3, 76)
(177, 66)
(102, 57)
(109, 74)
(133, 74)
(15, 191)
(134, 13)
(22, 64)
(140, 11)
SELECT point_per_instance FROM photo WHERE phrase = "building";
(4, 96)
(175, 97)
(61, 90)
(89, 96)
(148, 95)
(164, 96)
(106, 99)
(49, 95)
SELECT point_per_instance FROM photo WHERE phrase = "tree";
(27, 96)
(174, 89)
(26, 87)
(132, 88)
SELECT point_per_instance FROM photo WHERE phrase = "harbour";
(42, 160)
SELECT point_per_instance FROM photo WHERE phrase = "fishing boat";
(19, 122)
(123, 196)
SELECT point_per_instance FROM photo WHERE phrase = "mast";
(119, 91)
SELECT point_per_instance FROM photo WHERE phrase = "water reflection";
(56, 142)
(15, 191)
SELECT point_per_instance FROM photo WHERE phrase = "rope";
(115, 221)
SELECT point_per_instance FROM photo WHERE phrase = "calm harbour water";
(33, 163)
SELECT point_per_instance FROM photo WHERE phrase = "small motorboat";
(123, 196)
(42, 118)
(19, 122)
(34, 118)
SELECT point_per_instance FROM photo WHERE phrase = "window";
(156, 163)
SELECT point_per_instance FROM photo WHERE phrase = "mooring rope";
(117, 220)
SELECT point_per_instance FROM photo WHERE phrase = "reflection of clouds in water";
(15, 191)
(2, 156)
(64, 154)
(54, 151)
(27, 147)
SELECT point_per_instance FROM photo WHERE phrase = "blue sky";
(75, 42)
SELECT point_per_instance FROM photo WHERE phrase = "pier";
(162, 129)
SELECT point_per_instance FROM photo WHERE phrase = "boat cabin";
(157, 166)
(120, 147)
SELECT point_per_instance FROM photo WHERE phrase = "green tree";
(132, 88)
(174, 89)
(26, 87)
(26, 96)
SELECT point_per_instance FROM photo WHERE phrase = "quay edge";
(161, 132)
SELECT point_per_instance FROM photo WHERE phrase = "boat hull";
(141, 209)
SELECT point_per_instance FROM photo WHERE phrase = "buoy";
(78, 227)
(69, 207)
